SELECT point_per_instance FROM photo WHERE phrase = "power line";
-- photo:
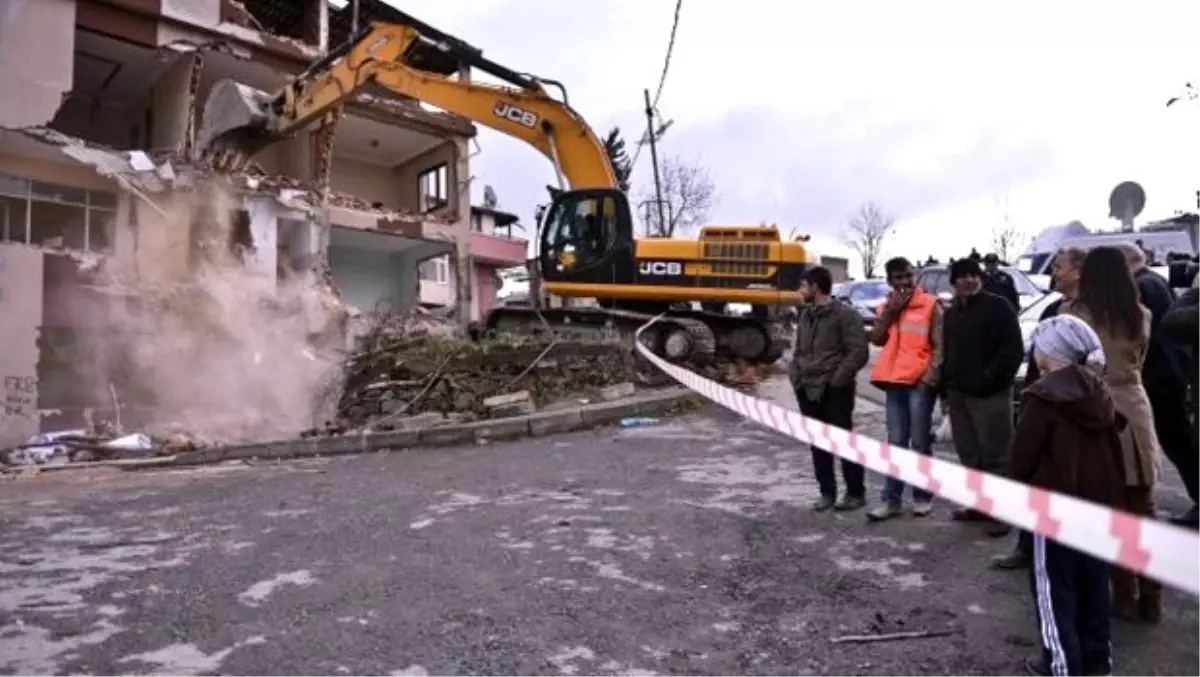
(662, 81)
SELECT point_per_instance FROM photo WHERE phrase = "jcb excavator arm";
(241, 120)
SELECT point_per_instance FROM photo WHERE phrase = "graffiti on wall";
(20, 397)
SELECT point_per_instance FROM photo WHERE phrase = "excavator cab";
(587, 236)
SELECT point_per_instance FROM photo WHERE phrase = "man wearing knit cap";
(1067, 442)
(983, 351)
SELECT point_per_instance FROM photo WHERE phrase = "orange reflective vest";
(909, 351)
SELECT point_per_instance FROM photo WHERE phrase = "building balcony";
(498, 251)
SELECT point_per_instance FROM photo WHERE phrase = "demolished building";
(98, 148)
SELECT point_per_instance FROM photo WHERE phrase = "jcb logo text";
(660, 268)
(518, 115)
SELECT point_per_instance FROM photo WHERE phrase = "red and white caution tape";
(1160, 551)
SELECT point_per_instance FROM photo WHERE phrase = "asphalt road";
(681, 547)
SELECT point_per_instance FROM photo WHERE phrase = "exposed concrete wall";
(371, 183)
(66, 173)
(367, 277)
(170, 102)
(198, 12)
(21, 281)
(37, 46)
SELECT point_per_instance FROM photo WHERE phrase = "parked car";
(936, 280)
(1028, 318)
(864, 296)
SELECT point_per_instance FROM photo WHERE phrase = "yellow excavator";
(586, 243)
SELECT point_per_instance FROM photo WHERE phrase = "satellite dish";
(489, 197)
(1125, 202)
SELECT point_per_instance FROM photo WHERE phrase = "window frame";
(102, 201)
(438, 179)
(440, 265)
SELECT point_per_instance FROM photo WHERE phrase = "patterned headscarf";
(1070, 340)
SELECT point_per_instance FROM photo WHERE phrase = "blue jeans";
(909, 424)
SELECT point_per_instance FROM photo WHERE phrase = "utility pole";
(662, 217)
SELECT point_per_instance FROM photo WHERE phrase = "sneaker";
(850, 503)
(885, 512)
(822, 504)
(922, 508)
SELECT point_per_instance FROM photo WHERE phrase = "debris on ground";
(405, 368)
(102, 444)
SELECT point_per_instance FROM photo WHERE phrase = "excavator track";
(695, 337)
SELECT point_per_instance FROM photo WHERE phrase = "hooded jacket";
(1067, 437)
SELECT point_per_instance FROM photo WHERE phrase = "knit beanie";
(1068, 339)
(964, 267)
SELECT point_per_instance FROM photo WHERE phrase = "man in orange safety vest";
(909, 330)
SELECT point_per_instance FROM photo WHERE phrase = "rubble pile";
(403, 370)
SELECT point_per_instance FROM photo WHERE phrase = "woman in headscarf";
(1108, 302)
(1067, 441)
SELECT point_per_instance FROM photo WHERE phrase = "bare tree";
(1007, 239)
(688, 194)
(866, 232)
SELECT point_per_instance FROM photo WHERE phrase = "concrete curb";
(535, 425)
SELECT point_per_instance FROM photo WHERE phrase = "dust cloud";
(219, 351)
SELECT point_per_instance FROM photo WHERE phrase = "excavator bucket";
(237, 121)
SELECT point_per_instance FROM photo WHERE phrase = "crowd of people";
(1102, 402)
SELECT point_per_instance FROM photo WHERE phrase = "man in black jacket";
(1182, 325)
(999, 282)
(984, 350)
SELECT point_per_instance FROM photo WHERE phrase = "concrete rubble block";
(617, 391)
(519, 403)
(551, 422)
(428, 419)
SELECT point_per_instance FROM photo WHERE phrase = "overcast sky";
(805, 109)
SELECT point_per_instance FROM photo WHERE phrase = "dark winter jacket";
(831, 346)
(1181, 324)
(1001, 284)
(1165, 359)
(983, 343)
(1067, 438)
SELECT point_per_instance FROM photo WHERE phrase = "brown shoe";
(1149, 601)
(1017, 559)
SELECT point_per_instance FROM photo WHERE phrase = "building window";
(54, 215)
(476, 222)
(433, 188)
(436, 269)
